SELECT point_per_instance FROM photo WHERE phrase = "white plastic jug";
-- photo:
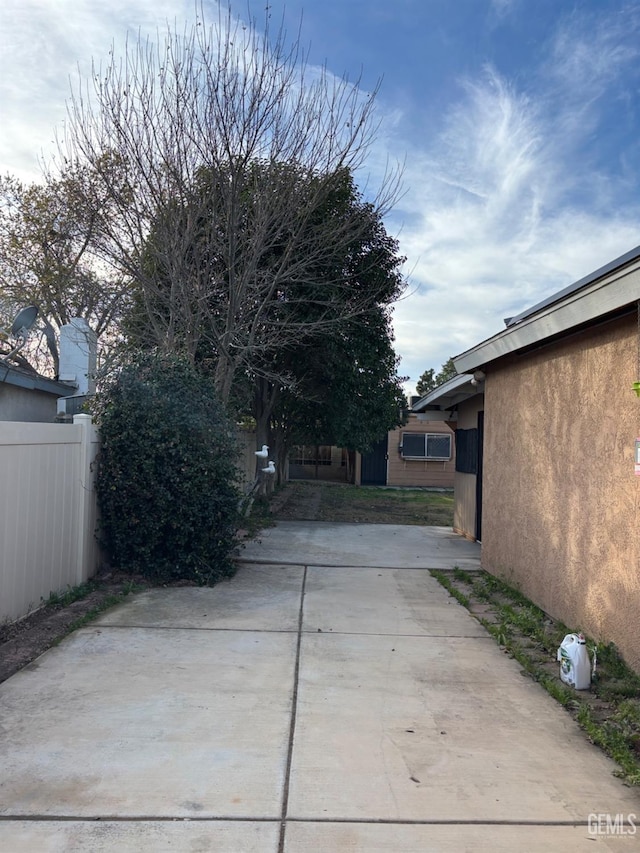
(575, 666)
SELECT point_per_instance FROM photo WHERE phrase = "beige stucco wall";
(561, 503)
(422, 473)
(464, 511)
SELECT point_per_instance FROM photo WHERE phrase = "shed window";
(430, 445)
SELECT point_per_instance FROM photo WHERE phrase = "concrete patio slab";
(138, 837)
(319, 543)
(257, 598)
(398, 838)
(168, 724)
(378, 601)
(442, 729)
(150, 722)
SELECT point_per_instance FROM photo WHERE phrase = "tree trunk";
(265, 398)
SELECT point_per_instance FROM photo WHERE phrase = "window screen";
(432, 445)
(413, 445)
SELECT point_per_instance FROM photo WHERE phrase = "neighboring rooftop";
(34, 381)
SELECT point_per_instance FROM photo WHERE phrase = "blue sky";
(518, 122)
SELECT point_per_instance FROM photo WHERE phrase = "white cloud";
(503, 8)
(508, 200)
(588, 53)
(41, 45)
(491, 220)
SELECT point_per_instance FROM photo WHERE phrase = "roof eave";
(34, 382)
(449, 394)
(610, 293)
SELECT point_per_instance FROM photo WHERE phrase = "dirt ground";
(301, 500)
(25, 640)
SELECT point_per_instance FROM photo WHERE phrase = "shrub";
(166, 479)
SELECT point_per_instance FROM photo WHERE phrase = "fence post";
(85, 549)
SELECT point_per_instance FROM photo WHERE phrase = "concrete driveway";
(331, 697)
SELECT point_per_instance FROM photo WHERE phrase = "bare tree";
(48, 237)
(220, 151)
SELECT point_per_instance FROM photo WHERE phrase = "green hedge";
(167, 472)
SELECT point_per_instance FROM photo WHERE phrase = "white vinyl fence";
(48, 511)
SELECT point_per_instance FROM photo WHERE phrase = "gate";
(374, 465)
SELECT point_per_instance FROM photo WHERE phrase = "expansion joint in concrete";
(292, 728)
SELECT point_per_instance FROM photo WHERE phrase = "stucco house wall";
(561, 501)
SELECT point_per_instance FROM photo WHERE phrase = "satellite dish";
(20, 329)
(24, 321)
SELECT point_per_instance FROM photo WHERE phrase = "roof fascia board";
(602, 297)
(622, 261)
(35, 382)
